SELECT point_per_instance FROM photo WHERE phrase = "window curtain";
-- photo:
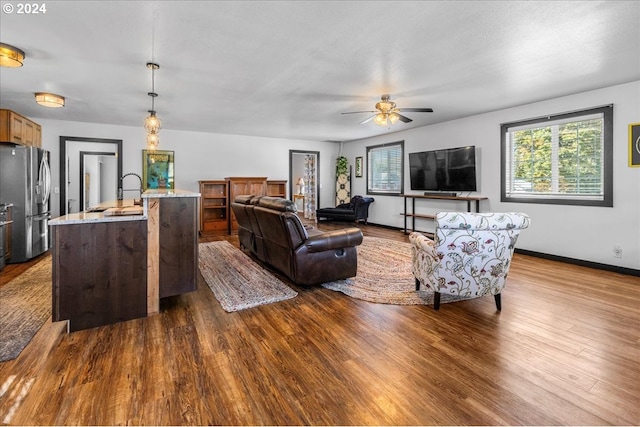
(310, 186)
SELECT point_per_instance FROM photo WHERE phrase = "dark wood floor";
(563, 351)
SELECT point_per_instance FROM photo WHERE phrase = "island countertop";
(104, 212)
(161, 192)
(129, 261)
(119, 210)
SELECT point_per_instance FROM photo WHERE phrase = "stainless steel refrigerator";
(25, 182)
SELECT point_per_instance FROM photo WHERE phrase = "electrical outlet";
(617, 251)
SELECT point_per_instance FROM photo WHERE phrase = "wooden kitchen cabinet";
(178, 245)
(19, 130)
(99, 273)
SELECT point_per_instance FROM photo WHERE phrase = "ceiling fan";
(387, 113)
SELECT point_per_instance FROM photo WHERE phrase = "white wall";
(198, 156)
(580, 232)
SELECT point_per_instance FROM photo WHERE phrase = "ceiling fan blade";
(404, 119)
(368, 120)
(358, 112)
(416, 110)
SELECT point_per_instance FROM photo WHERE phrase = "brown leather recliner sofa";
(270, 229)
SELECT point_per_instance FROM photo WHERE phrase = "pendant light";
(152, 123)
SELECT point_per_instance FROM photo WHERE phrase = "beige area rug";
(384, 276)
(25, 304)
(237, 281)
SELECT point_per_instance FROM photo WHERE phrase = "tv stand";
(440, 193)
(439, 196)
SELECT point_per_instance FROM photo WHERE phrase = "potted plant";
(341, 166)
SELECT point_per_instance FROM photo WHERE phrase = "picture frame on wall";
(158, 169)
(358, 167)
(634, 145)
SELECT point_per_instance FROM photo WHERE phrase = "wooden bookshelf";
(277, 188)
(214, 207)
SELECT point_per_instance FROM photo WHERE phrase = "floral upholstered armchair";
(470, 256)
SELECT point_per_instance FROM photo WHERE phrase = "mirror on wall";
(98, 178)
(83, 178)
(304, 181)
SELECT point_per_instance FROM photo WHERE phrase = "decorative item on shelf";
(300, 185)
(10, 56)
(158, 169)
(634, 145)
(49, 99)
(152, 123)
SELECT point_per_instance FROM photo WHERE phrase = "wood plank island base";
(115, 264)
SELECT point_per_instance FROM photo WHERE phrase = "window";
(562, 159)
(385, 173)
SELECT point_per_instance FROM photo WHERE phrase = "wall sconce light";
(49, 100)
(10, 56)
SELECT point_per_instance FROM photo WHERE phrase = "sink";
(128, 210)
(96, 209)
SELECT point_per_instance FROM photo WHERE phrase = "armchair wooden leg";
(436, 301)
(417, 284)
(498, 302)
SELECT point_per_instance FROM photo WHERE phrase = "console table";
(413, 215)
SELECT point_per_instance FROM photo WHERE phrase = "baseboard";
(580, 262)
(583, 263)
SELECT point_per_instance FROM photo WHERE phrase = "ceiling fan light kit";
(388, 114)
(10, 56)
(384, 119)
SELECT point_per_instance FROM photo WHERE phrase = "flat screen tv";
(446, 170)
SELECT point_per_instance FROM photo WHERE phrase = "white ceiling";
(288, 69)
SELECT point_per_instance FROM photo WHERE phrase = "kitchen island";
(116, 261)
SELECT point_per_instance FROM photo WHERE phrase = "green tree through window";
(559, 159)
(385, 168)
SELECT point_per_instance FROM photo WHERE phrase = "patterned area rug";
(236, 280)
(25, 304)
(384, 276)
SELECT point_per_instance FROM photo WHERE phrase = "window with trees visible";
(561, 159)
(385, 172)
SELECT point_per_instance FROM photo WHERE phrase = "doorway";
(98, 177)
(304, 180)
(72, 177)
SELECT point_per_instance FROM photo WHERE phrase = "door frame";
(292, 183)
(63, 163)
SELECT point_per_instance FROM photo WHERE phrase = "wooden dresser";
(238, 186)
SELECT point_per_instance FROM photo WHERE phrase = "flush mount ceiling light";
(49, 100)
(10, 56)
(152, 122)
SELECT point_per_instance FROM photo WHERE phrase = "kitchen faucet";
(121, 190)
